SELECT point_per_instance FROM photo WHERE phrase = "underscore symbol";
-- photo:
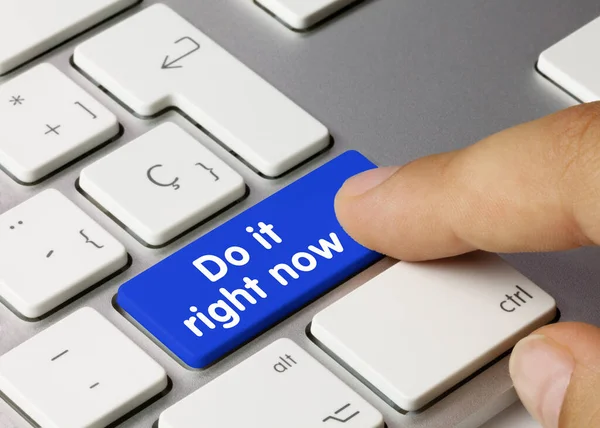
(86, 109)
(211, 170)
(172, 184)
(171, 64)
(88, 240)
(337, 412)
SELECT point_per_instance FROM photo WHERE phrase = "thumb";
(535, 187)
(556, 372)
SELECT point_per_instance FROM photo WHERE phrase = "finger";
(535, 187)
(556, 373)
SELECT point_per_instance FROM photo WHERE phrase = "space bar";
(250, 273)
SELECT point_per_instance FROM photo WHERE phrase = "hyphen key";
(238, 280)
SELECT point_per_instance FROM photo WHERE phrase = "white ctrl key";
(416, 330)
(280, 386)
(82, 372)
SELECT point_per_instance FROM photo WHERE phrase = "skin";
(534, 187)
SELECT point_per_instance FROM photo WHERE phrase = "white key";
(47, 121)
(162, 184)
(50, 251)
(280, 386)
(156, 59)
(416, 330)
(572, 64)
(81, 372)
(31, 27)
(303, 14)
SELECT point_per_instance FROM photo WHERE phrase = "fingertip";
(400, 211)
(556, 372)
(365, 181)
(351, 210)
(541, 370)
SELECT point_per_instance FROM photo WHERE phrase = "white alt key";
(156, 59)
(303, 14)
(29, 28)
(50, 251)
(162, 184)
(82, 372)
(48, 121)
(573, 65)
(416, 330)
(280, 386)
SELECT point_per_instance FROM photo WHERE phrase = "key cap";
(48, 121)
(81, 372)
(29, 28)
(50, 251)
(279, 386)
(416, 330)
(243, 277)
(156, 59)
(303, 14)
(162, 184)
(570, 64)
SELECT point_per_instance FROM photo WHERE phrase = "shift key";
(235, 282)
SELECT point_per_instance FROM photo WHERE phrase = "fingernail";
(541, 371)
(367, 180)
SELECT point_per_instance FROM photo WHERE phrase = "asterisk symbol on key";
(16, 100)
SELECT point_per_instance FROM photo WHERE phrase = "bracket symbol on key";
(211, 170)
(171, 64)
(88, 240)
(86, 109)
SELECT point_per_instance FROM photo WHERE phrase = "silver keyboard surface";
(392, 79)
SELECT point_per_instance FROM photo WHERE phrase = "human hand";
(535, 187)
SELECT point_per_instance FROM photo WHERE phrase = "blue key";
(235, 282)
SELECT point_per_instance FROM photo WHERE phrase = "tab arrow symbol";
(167, 65)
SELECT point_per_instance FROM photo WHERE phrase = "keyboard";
(169, 249)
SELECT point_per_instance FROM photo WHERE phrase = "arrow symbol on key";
(171, 64)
